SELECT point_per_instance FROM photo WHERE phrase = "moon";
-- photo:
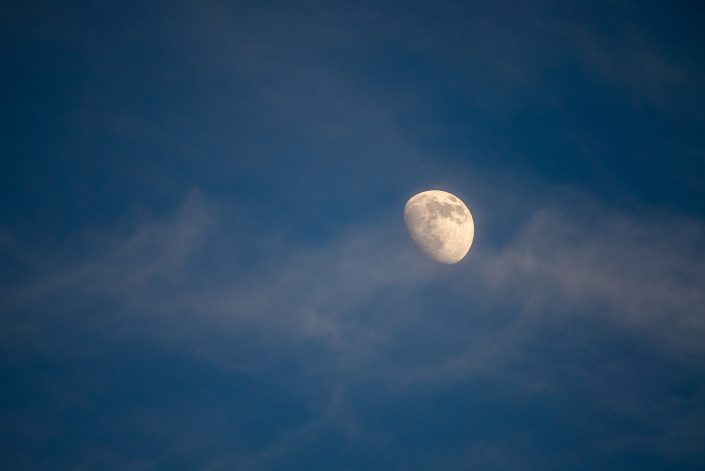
(440, 224)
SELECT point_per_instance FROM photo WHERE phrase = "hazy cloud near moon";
(350, 305)
(635, 268)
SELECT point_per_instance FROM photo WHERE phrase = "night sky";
(203, 257)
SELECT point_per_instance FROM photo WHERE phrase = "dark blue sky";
(203, 262)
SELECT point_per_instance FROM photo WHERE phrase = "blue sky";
(203, 261)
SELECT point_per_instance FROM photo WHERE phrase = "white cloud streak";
(377, 311)
(638, 272)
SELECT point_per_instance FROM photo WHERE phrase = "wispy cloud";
(376, 311)
(639, 272)
(642, 270)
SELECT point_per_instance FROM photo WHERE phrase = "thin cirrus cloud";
(637, 274)
(366, 311)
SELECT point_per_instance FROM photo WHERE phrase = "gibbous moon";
(440, 224)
